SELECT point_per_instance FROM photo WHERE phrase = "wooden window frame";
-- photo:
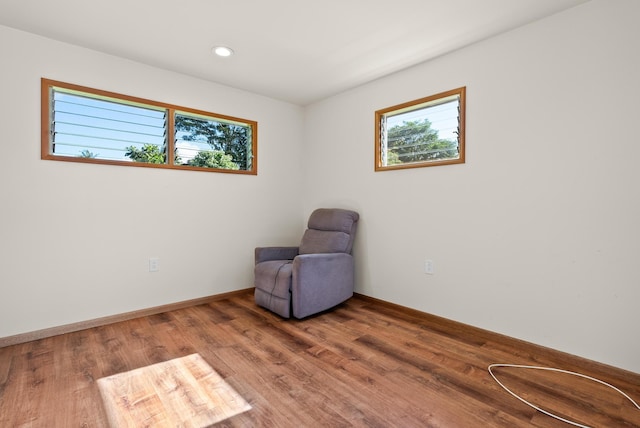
(47, 86)
(418, 104)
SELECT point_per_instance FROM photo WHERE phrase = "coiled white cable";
(554, 370)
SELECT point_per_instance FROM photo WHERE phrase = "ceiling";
(298, 51)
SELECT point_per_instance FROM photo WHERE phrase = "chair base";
(275, 304)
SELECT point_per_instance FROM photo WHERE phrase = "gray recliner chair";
(313, 277)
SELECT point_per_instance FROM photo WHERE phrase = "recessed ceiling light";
(222, 51)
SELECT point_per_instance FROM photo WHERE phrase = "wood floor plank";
(363, 364)
(75, 375)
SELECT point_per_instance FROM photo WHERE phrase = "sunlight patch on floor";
(180, 392)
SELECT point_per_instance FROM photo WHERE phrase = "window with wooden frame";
(424, 132)
(81, 124)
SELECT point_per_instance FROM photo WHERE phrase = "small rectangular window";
(425, 132)
(88, 125)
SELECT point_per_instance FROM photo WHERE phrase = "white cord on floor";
(554, 370)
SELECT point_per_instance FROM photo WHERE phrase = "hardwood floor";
(364, 364)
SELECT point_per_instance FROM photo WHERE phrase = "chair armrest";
(320, 281)
(263, 254)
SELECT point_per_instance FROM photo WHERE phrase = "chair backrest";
(330, 230)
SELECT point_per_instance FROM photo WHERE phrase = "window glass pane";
(212, 142)
(102, 129)
(423, 134)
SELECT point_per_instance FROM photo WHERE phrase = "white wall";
(537, 236)
(75, 239)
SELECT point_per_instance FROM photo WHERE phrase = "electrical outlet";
(154, 264)
(428, 267)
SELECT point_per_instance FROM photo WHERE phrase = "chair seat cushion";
(274, 277)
